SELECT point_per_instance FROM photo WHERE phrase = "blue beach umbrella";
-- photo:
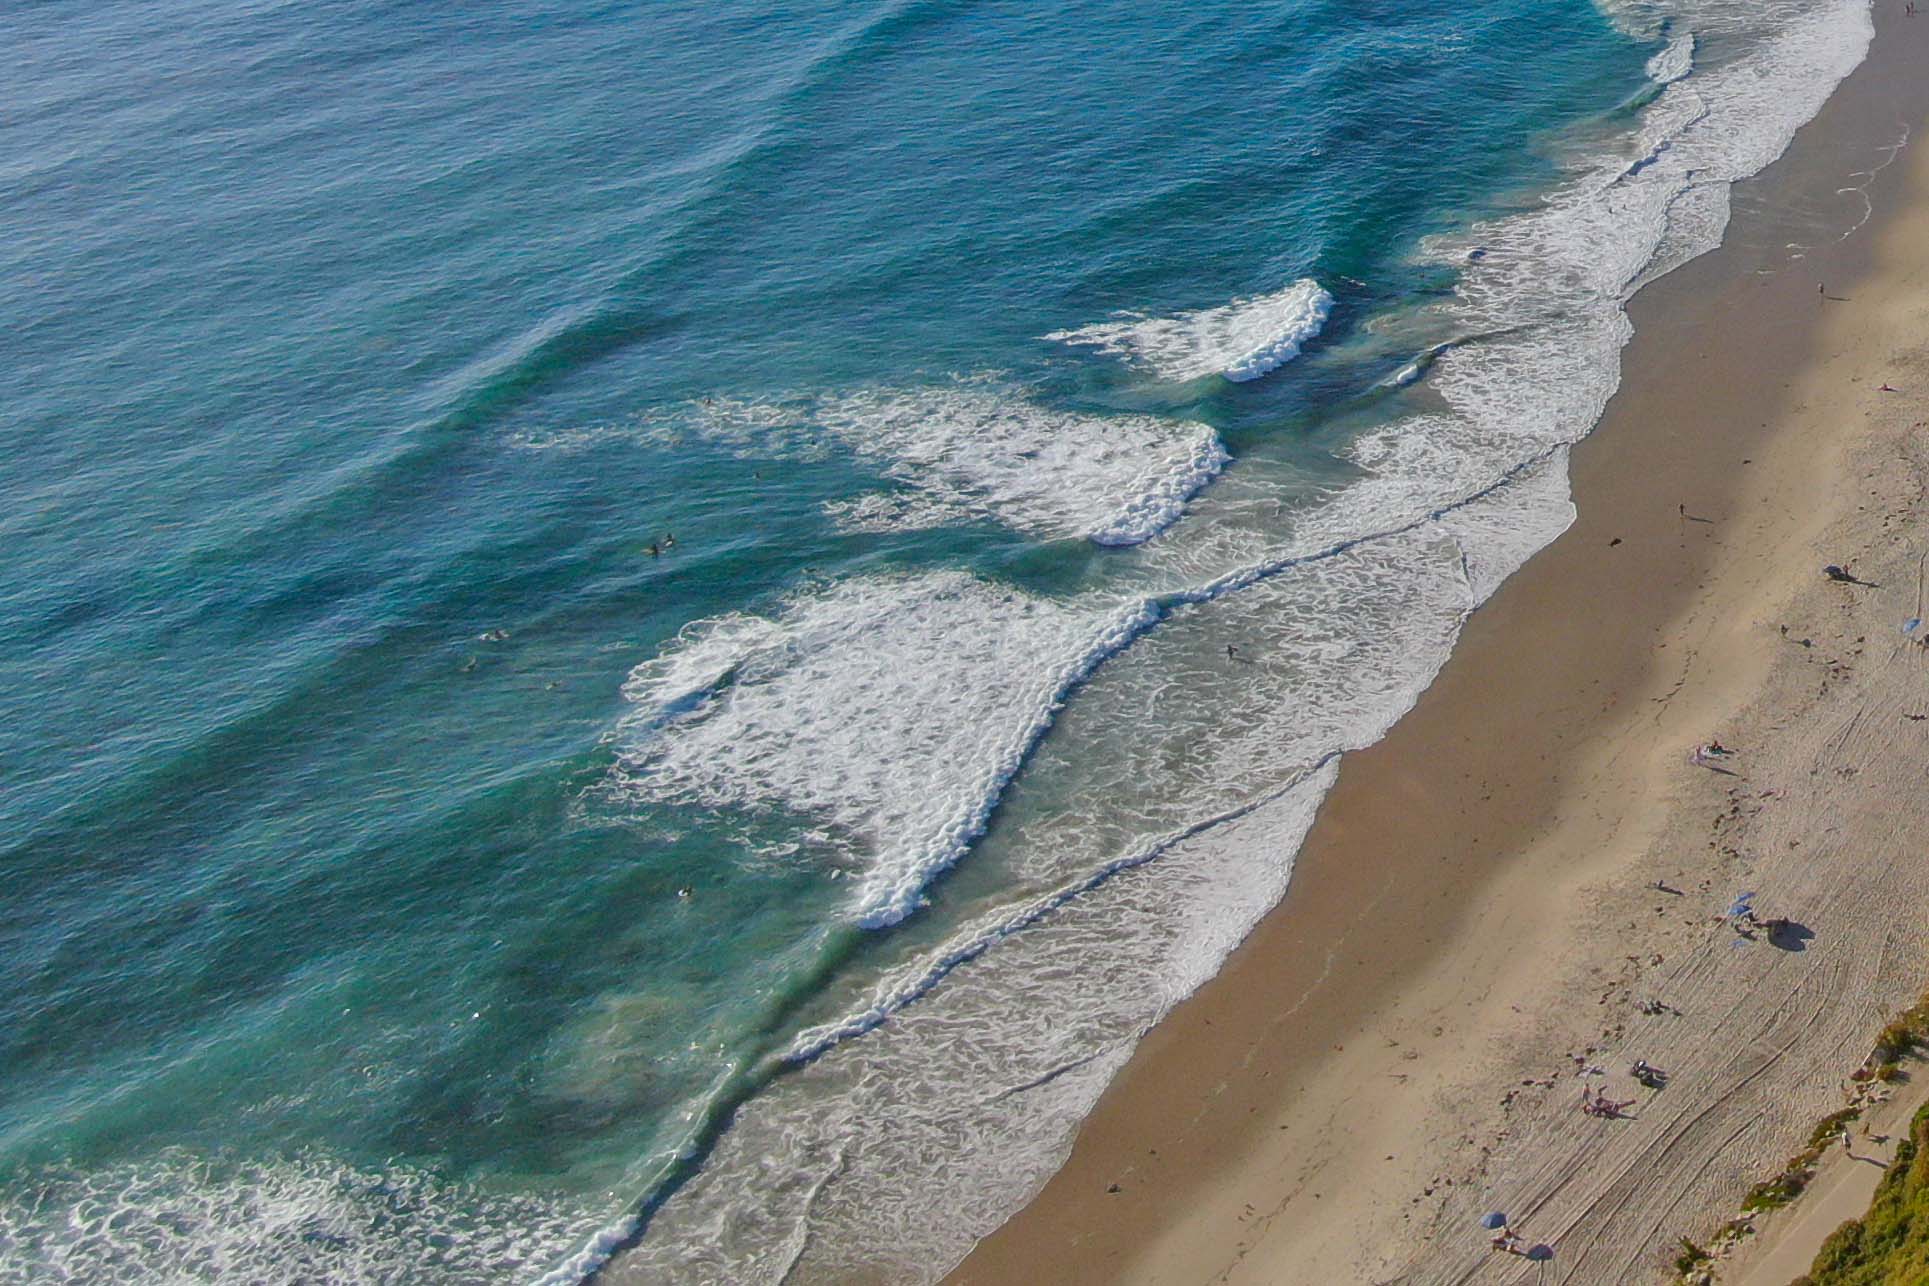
(1910, 626)
(1493, 1219)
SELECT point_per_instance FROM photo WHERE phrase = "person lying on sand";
(1601, 1105)
(1706, 756)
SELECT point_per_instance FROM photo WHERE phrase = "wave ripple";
(1241, 341)
(891, 710)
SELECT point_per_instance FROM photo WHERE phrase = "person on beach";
(1601, 1105)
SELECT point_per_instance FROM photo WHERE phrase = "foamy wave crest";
(1674, 61)
(973, 449)
(891, 710)
(299, 1220)
(1115, 479)
(1242, 340)
(929, 1106)
(881, 512)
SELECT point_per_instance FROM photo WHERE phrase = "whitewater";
(645, 644)
(1444, 505)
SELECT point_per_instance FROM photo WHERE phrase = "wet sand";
(1395, 1047)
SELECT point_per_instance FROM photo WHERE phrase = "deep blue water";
(538, 539)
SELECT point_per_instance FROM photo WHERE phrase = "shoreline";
(1333, 1097)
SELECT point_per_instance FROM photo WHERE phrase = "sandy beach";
(1496, 895)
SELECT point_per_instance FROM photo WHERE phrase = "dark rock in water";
(1476, 255)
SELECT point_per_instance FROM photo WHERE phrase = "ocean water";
(641, 640)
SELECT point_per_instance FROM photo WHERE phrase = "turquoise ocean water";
(663, 628)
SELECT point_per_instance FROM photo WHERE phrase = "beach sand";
(1397, 1048)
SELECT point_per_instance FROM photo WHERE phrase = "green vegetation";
(1889, 1246)
(1909, 1030)
(1829, 1129)
(1773, 1194)
(1690, 1258)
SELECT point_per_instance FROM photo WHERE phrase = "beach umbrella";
(1740, 908)
(1493, 1219)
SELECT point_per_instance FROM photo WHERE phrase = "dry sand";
(1397, 1047)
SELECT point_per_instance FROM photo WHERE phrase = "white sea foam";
(883, 512)
(977, 449)
(1674, 61)
(1242, 340)
(1002, 1036)
(971, 449)
(890, 709)
(1497, 539)
(180, 1218)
